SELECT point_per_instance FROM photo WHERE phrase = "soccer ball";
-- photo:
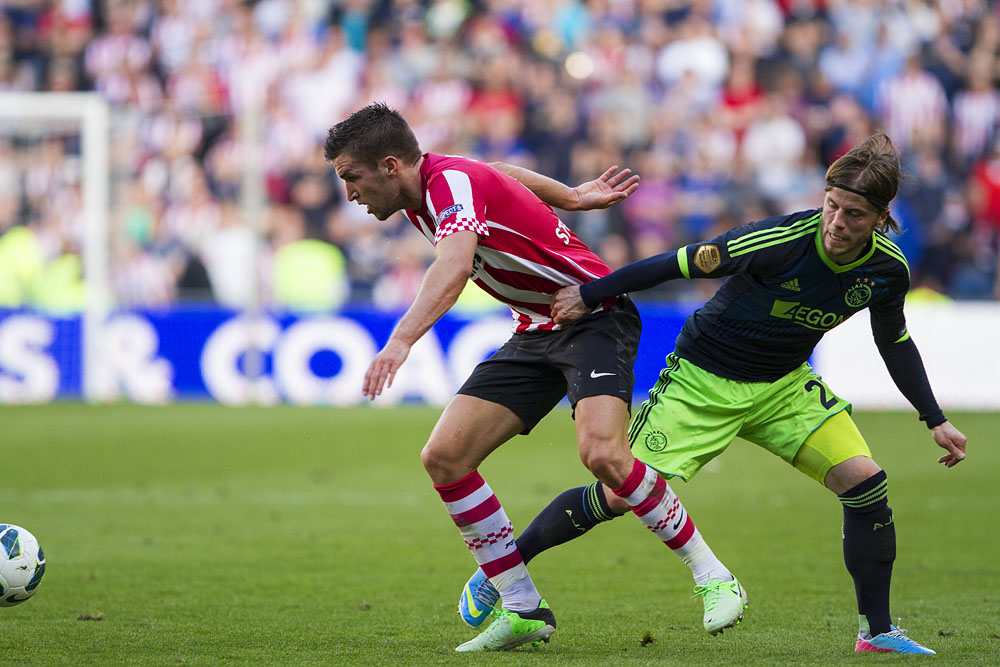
(22, 565)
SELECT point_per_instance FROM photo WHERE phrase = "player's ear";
(391, 165)
(883, 219)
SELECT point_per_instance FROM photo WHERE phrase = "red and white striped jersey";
(525, 252)
(974, 121)
(911, 103)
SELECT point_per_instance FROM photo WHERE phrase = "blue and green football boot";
(477, 600)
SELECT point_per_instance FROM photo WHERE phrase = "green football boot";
(724, 604)
(512, 628)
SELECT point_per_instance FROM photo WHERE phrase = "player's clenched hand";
(383, 368)
(950, 438)
(607, 189)
(567, 306)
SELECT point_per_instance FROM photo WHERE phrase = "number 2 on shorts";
(825, 400)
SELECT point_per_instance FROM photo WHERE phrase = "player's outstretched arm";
(606, 190)
(951, 439)
(439, 289)
(573, 302)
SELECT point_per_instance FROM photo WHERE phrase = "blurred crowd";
(730, 110)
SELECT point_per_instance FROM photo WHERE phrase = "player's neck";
(411, 186)
(854, 254)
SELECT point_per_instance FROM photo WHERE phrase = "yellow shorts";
(837, 440)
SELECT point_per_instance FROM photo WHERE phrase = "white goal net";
(55, 185)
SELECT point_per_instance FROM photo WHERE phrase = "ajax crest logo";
(859, 293)
(656, 441)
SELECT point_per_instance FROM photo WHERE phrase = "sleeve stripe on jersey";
(767, 243)
(889, 244)
(461, 188)
(891, 249)
(771, 236)
(763, 234)
(902, 338)
(682, 262)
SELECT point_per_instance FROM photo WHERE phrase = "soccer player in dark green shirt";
(740, 367)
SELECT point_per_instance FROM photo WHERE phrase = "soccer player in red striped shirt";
(488, 227)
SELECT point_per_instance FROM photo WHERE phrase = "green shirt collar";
(840, 268)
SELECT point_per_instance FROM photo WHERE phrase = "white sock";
(521, 595)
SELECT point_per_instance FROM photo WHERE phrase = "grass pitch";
(208, 535)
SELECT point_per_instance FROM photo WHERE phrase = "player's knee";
(608, 460)
(850, 473)
(442, 463)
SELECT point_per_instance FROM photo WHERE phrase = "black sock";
(570, 515)
(870, 548)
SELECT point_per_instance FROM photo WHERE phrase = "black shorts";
(532, 371)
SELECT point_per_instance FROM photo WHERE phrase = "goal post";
(92, 114)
